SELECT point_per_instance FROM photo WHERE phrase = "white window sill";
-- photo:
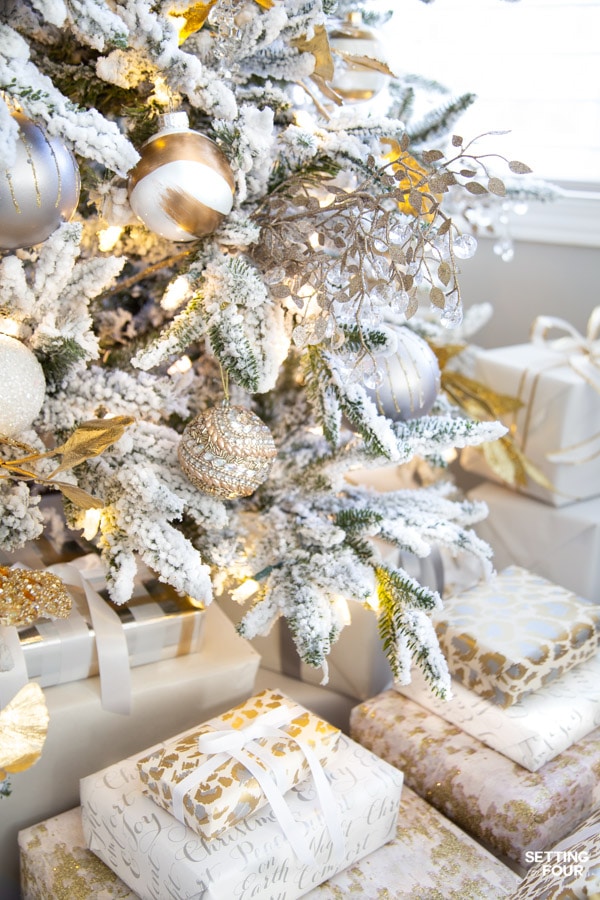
(572, 220)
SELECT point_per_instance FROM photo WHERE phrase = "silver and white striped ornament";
(182, 187)
(39, 191)
(227, 451)
(411, 378)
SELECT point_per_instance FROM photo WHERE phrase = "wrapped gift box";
(532, 731)
(562, 545)
(570, 870)
(558, 424)
(228, 791)
(158, 623)
(426, 851)
(509, 810)
(511, 635)
(168, 697)
(157, 857)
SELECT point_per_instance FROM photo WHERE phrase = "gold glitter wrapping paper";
(230, 793)
(429, 858)
(159, 858)
(510, 636)
(561, 410)
(506, 808)
(158, 623)
(570, 871)
(56, 865)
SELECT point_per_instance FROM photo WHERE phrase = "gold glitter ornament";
(361, 71)
(23, 729)
(26, 595)
(227, 451)
(39, 191)
(182, 187)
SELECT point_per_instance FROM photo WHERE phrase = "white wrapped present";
(558, 425)
(157, 857)
(532, 731)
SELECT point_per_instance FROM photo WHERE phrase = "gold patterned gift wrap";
(159, 858)
(511, 635)
(426, 850)
(212, 778)
(509, 810)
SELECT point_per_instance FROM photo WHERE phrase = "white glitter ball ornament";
(22, 386)
(38, 192)
(352, 81)
(182, 187)
(227, 451)
(411, 378)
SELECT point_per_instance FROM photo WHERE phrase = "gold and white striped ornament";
(227, 451)
(351, 40)
(182, 187)
(39, 191)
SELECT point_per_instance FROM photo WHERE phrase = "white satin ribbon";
(226, 742)
(14, 679)
(582, 352)
(111, 644)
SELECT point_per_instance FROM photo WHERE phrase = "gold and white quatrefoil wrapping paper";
(230, 792)
(506, 638)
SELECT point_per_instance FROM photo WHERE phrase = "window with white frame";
(535, 68)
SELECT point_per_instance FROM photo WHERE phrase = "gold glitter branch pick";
(23, 729)
(25, 595)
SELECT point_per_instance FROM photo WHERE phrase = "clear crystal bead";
(465, 246)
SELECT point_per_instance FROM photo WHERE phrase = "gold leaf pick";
(23, 729)
(365, 62)
(90, 439)
(193, 17)
(77, 495)
(320, 49)
(27, 594)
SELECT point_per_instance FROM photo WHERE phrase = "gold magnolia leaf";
(23, 729)
(490, 402)
(27, 594)
(193, 17)
(365, 62)
(412, 180)
(447, 352)
(318, 45)
(77, 495)
(90, 439)
(502, 458)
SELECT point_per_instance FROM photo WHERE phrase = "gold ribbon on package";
(583, 355)
(238, 763)
(111, 647)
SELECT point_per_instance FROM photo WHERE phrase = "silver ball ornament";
(227, 451)
(182, 187)
(352, 81)
(22, 386)
(411, 378)
(39, 191)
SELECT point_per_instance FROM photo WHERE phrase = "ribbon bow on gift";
(242, 744)
(583, 355)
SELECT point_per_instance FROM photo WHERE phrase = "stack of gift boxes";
(514, 757)
(550, 524)
(178, 663)
(265, 801)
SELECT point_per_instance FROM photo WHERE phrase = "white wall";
(542, 279)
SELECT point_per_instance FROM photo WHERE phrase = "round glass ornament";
(22, 386)
(182, 187)
(227, 451)
(39, 191)
(352, 81)
(411, 378)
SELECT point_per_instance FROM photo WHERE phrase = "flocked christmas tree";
(229, 322)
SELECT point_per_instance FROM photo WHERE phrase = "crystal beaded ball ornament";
(227, 451)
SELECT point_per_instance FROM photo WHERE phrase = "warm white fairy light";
(245, 590)
(108, 237)
(91, 523)
(9, 326)
(181, 365)
(175, 294)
